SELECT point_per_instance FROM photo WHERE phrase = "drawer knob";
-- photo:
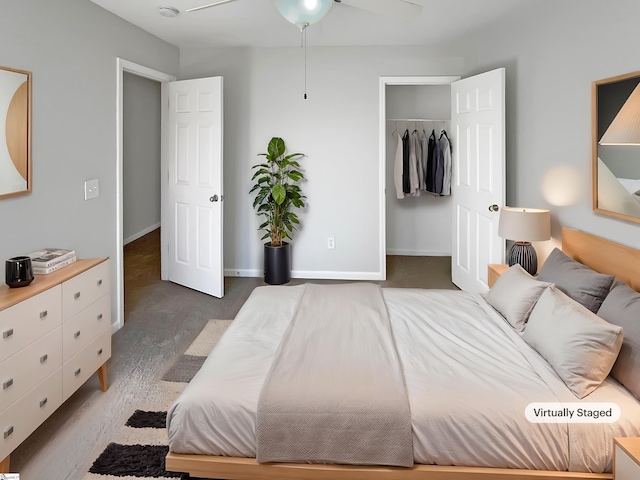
(77, 334)
(43, 314)
(100, 352)
(100, 282)
(44, 358)
(99, 316)
(8, 432)
(77, 372)
(8, 333)
(43, 402)
(7, 384)
(76, 295)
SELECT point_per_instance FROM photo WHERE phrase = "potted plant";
(277, 195)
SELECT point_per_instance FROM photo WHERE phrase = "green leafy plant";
(278, 192)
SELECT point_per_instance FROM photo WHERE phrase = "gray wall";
(337, 128)
(71, 47)
(141, 156)
(553, 51)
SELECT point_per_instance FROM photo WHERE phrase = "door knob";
(214, 198)
(494, 208)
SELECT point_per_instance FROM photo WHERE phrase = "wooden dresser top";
(13, 296)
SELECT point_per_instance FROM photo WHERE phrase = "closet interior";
(417, 224)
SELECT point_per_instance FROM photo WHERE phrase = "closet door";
(478, 186)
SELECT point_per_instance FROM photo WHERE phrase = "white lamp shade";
(303, 12)
(525, 224)
(625, 128)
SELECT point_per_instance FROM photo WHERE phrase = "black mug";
(18, 271)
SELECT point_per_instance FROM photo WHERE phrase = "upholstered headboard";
(603, 255)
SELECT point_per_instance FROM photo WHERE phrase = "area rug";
(139, 450)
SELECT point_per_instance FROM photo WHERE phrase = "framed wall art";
(15, 132)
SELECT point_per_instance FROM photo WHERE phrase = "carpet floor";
(139, 449)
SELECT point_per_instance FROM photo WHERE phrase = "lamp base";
(524, 254)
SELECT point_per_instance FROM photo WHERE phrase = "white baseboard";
(311, 275)
(141, 233)
(329, 275)
(242, 272)
(417, 253)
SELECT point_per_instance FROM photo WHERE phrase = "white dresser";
(54, 334)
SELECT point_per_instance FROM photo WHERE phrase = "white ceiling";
(257, 23)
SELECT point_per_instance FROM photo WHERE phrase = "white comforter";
(469, 377)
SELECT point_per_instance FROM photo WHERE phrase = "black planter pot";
(277, 264)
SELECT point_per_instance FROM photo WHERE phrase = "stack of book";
(51, 259)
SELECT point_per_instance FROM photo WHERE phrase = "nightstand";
(495, 270)
(626, 458)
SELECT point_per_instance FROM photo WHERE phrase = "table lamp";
(524, 225)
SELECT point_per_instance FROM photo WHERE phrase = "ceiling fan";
(398, 9)
(303, 13)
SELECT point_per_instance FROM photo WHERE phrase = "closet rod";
(416, 120)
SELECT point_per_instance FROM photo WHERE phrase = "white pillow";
(579, 345)
(514, 295)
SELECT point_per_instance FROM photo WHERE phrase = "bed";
(218, 440)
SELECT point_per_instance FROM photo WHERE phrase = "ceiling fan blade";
(215, 4)
(399, 9)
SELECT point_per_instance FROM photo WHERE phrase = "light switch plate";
(91, 189)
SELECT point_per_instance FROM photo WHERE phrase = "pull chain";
(303, 39)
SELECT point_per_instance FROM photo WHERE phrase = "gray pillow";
(580, 346)
(584, 285)
(514, 295)
(622, 307)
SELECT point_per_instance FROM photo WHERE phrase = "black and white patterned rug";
(141, 447)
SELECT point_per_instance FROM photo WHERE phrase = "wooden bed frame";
(602, 255)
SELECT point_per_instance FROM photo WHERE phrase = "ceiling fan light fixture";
(170, 12)
(303, 12)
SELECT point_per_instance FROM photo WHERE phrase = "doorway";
(413, 226)
(141, 157)
(124, 66)
(477, 176)
(141, 186)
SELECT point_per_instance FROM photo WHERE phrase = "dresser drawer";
(85, 363)
(29, 320)
(85, 326)
(82, 290)
(23, 417)
(19, 373)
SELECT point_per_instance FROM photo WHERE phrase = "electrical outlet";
(331, 243)
(91, 189)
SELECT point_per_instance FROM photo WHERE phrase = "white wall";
(71, 47)
(553, 52)
(337, 128)
(416, 225)
(141, 156)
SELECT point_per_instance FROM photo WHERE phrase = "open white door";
(478, 187)
(192, 250)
